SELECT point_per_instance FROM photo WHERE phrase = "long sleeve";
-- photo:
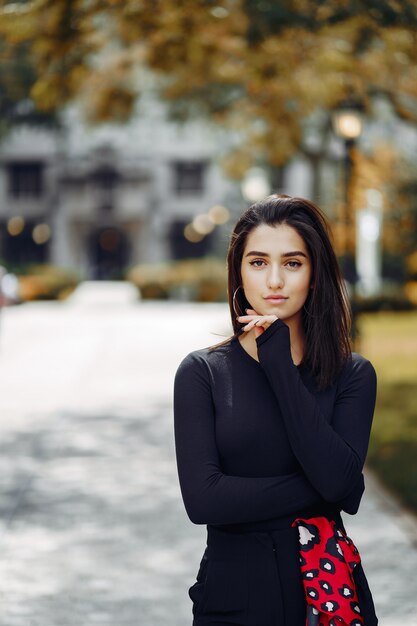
(332, 455)
(209, 495)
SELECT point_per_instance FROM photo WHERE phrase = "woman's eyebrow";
(286, 254)
(295, 253)
(256, 253)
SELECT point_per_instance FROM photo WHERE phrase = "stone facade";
(105, 198)
(101, 199)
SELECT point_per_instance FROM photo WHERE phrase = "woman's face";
(276, 271)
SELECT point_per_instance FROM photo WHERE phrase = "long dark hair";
(326, 313)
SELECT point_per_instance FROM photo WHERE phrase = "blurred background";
(132, 136)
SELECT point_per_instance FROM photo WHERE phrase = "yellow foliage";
(412, 263)
(203, 50)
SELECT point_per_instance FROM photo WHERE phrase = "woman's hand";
(259, 322)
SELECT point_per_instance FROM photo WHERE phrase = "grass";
(389, 341)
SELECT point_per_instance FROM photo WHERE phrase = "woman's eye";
(255, 263)
(294, 264)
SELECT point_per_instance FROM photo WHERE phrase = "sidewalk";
(93, 530)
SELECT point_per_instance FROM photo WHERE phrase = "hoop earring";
(234, 300)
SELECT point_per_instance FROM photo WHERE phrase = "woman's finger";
(258, 322)
(246, 317)
(253, 318)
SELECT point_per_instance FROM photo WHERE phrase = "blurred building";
(100, 199)
(105, 198)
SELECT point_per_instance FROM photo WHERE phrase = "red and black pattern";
(327, 559)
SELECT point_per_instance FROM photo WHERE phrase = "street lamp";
(347, 119)
(347, 124)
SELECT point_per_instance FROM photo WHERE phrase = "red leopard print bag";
(327, 559)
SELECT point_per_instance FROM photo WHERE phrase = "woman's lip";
(276, 298)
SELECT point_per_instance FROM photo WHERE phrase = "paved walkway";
(92, 527)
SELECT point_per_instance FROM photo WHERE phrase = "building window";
(181, 248)
(189, 177)
(26, 179)
(28, 245)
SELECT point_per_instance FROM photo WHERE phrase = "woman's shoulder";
(206, 358)
(356, 368)
(360, 363)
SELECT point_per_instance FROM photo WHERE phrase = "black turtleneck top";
(258, 444)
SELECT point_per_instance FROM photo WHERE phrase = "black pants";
(253, 579)
(249, 579)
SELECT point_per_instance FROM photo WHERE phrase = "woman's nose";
(275, 278)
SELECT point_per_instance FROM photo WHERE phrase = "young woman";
(271, 433)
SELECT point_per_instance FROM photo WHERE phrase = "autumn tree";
(257, 66)
(17, 78)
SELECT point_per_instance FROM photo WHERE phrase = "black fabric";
(249, 579)
(257, 444)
